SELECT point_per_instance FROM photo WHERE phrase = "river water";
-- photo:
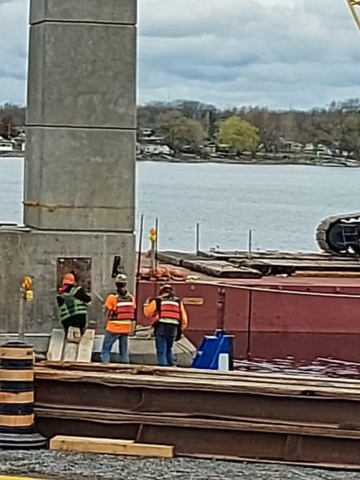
(281, 204)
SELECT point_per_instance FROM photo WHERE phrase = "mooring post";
(250, 244)
(197, 238)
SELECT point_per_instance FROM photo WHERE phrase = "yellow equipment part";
(355, 10)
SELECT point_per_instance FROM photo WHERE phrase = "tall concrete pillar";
(80, 158)
(81, 120)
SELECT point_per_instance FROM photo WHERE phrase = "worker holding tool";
(72, 302)
(120, 308)
(169, 319)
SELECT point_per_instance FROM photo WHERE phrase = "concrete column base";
(26, 252)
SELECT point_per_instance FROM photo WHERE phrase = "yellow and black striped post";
(17, 397)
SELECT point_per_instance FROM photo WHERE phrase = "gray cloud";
(13, 50)
(270, 52)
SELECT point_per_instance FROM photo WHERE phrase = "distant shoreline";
(274, 162)
(340, 163)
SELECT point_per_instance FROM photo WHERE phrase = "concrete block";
(80, 179)
(82, 75)
(104, 11)
(34, 253)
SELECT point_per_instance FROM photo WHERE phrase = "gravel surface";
(71, 466)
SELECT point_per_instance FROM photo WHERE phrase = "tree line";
(243, 129)
(336, 126)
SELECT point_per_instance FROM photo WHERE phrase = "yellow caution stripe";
(2, 477)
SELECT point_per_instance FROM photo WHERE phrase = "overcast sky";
(276, 53)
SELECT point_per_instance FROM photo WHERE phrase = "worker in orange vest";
(169, 319)
(121, 313)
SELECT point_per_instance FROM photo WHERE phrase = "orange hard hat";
(69, 279)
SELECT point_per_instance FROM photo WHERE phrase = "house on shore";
(6, 145)
(19, 142)
(151, 144)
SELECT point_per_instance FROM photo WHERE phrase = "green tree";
(8, 128)
(179, 131)
(239, 134)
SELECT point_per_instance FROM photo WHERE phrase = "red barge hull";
(271, 318)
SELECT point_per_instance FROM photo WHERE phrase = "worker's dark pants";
(165, 335)
(78, 321)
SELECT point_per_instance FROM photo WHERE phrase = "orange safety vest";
(170, 311)
(121, 318)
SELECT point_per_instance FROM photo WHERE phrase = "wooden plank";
(70, 352)
(74, 335)
(220, 377)
(71, 347)
(56, 345)
(86, 346)
(220, 269)
(110, 446)
(206, 384)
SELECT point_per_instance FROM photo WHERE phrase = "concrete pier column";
(81, 122)
(80, 157)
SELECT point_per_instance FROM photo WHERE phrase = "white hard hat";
(121, 278)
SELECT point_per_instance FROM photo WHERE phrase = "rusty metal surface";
(272, 324)
(230, 415)
(214, 404)
(203, 437)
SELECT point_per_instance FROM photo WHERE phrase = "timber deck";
(235, 265)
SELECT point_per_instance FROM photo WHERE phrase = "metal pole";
(197, 238)
(249, 326)
(152, 257)
(137, 280)
(21, 316)
(250, 244)
(157, 242)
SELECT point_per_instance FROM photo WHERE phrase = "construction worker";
(72, 301)
(169, 319)
(120, 308)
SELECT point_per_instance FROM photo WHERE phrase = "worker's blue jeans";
(109, 340)
(165, 335)
(164, 346)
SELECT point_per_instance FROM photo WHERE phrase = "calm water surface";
(282, 205)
